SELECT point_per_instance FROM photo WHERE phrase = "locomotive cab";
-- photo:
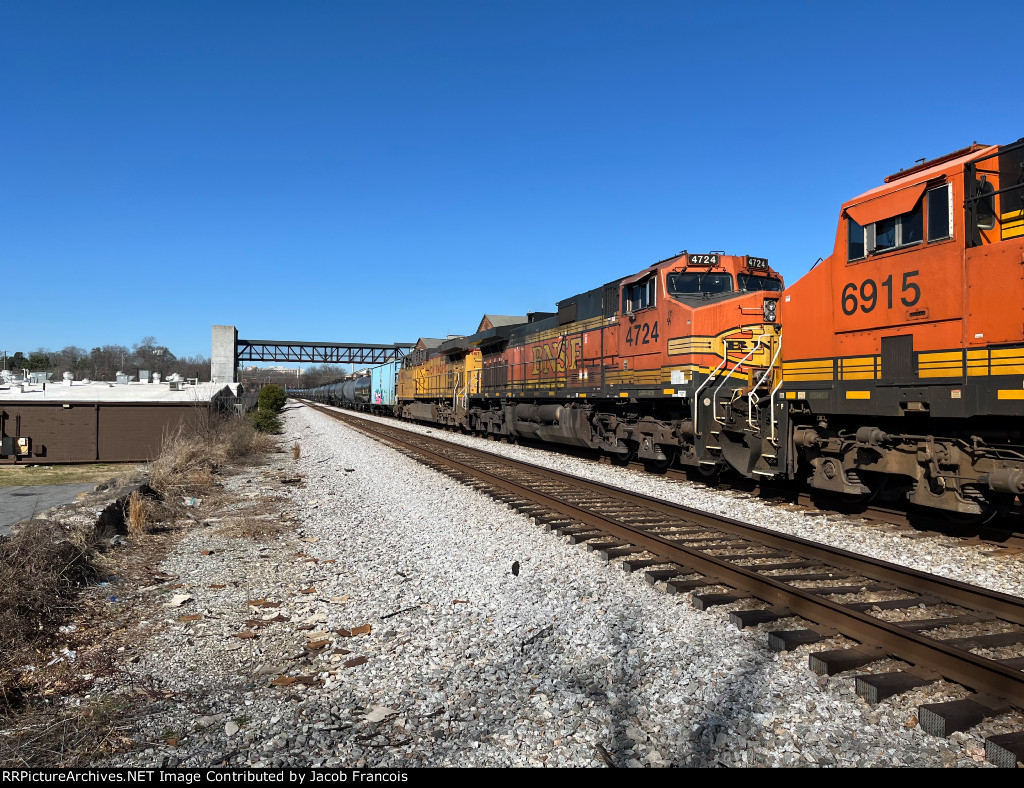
(904, 350)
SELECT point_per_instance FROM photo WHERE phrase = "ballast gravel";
(404, 620)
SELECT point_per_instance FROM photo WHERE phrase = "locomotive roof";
(915, 176)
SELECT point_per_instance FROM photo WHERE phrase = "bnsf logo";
(749, 345)
(556, 356)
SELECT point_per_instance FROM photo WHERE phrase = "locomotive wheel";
(627, 456)
(660, 466)
(991, 506)
(874, 482)
(709, 474)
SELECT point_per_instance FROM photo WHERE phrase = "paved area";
(22, 503)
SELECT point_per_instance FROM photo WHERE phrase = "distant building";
(494, 321)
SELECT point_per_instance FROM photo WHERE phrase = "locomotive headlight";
(770, 310)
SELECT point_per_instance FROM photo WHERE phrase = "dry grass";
(194, 454)
(17, 475)
(68, 737)
(46, 563)
(296, 451)
(41, 569)
(141, 514)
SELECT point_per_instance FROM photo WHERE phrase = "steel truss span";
(319, 352)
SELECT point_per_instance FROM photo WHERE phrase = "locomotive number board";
(703, 259)
(760, 263)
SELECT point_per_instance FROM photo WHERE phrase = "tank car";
(373, 392)
(903, 351)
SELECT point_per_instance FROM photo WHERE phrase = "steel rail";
(955, 664)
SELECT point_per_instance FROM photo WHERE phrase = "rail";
(692, 541)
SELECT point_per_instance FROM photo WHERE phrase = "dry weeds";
(140, 514)
(46, 718)
(41, 568)
(193, 455)
(296, 451)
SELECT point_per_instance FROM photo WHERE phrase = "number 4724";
(865, 296)
(642, 334)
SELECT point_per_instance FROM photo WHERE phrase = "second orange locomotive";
(637, 368)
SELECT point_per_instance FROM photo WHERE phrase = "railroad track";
(934, 627)
(1005, 534)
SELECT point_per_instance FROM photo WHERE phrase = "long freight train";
(893, 369)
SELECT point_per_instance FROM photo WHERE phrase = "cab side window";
(986, 205)
(640, 295)
(855, 246)
(906, 229)
(940, 217)
(902, 230)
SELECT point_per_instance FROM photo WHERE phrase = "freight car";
(373, 392)
(901, 375)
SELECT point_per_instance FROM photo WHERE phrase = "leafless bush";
(296, 451)
(41, 568)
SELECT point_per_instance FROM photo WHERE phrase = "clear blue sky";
(380, 171)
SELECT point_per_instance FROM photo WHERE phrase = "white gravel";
(467, 664)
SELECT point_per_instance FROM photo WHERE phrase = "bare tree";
(152, 357)
(105, 362)
(71, 359)
(321, 374)
(192, 367)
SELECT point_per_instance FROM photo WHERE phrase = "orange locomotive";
(899, 374)
(639, 368)
(903, 352)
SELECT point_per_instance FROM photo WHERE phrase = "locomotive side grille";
(898, 358)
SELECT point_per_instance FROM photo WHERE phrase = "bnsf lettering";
(556, 356)
(734, 345)
(642, 334)
(865, 296)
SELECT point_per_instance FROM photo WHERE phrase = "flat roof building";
(76, 422)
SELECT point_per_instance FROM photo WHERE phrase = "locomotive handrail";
(775, 391)
(696, 398)
(455, 391)
(753, 399)
(714, 397)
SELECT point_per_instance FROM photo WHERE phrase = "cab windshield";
(752, 283)
(699, 282)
